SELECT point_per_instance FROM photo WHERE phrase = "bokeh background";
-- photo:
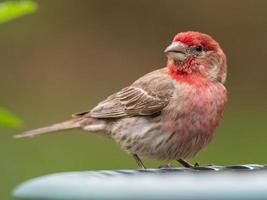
(71, 54)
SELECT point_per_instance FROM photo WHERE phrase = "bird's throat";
(179, 68)
(182, 72)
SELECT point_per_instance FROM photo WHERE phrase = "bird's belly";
(145, 137)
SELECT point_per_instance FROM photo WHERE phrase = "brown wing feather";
(148, 95)
(137, 101)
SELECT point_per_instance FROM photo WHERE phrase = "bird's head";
(196, 54)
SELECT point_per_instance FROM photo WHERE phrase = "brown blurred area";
(72, 54)
(81, 51)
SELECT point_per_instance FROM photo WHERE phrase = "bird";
(168, 114)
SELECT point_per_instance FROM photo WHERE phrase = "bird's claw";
(196, 164)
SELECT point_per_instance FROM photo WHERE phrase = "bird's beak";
(176, 47)
(176, 51)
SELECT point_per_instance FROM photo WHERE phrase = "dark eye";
(199, 48)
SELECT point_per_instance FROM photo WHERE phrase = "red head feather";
(195, 38)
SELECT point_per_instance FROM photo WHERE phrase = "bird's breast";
(194, 112)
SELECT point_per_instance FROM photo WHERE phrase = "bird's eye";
(199, 48)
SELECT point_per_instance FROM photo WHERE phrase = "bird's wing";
(129, 101)
(148, 95)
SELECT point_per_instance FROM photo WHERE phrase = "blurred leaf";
(8, 120)
(12, 9)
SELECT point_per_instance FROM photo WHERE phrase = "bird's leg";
(185, 163)
(138, 161)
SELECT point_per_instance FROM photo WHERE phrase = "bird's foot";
(186, 164)
(196, 164)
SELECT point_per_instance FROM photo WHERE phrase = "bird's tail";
(70, 124)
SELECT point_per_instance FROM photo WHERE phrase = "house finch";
(168, 114)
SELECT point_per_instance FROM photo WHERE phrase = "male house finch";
(168, 114)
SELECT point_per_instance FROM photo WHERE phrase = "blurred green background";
(71, 54)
